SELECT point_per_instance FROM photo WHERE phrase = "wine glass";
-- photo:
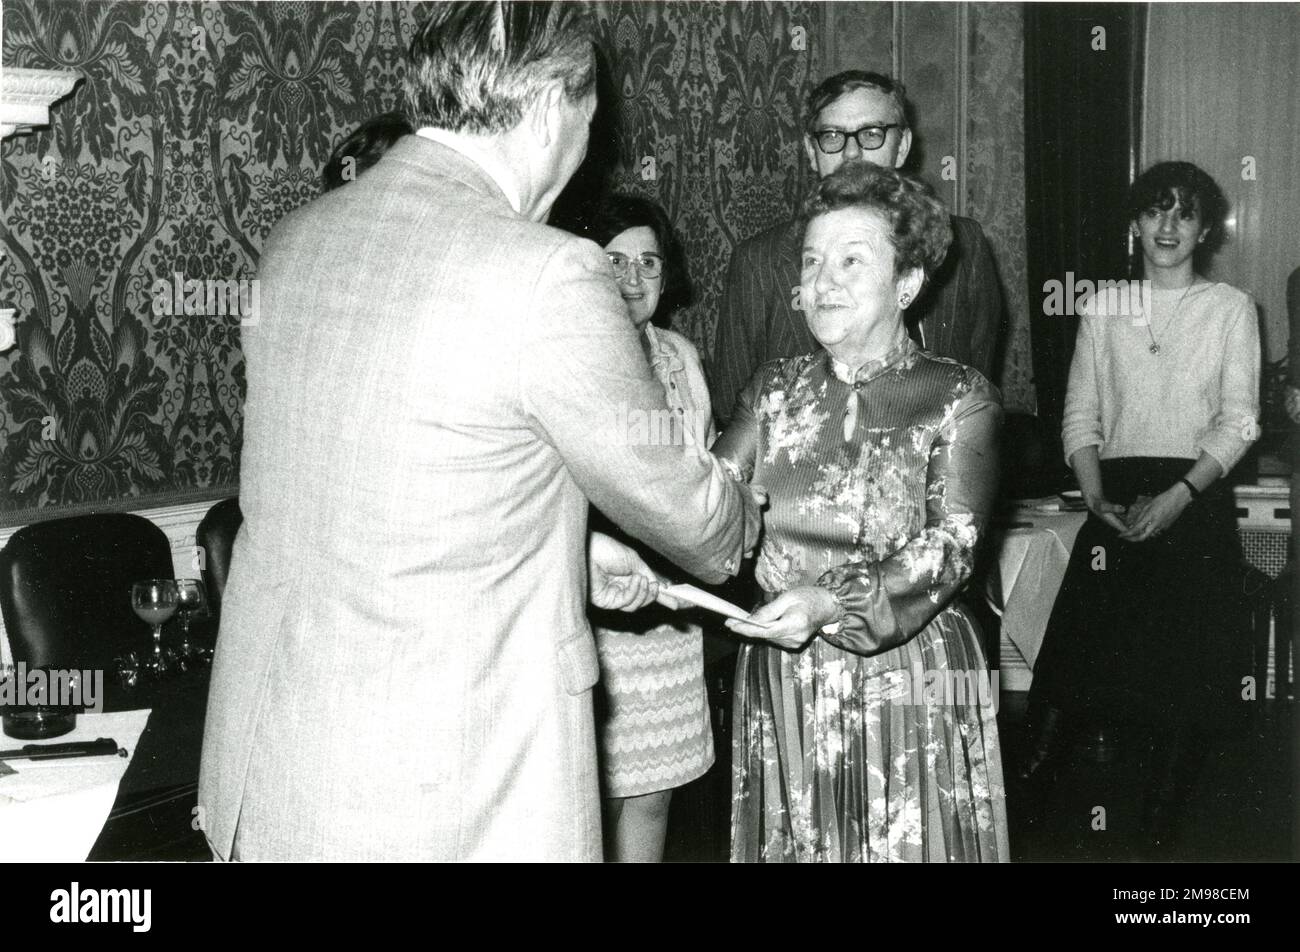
(191, 597)
(154, 601)
(127, 667)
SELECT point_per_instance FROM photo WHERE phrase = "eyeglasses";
(648, 265)
(869, 138)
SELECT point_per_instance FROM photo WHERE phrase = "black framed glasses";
(648, 265)
(869, 138)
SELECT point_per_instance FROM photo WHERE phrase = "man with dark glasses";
(852, 116)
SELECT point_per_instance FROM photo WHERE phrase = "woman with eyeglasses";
(655, 732)
(1163, 400)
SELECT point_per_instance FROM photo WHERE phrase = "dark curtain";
(1082, 121)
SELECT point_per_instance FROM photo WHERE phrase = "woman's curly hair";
(1192, 188)
(919, 226)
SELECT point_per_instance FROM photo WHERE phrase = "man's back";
(404, 664)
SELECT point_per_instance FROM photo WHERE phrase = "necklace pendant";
(1154, 348)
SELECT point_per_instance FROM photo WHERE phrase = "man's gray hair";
(476, 67)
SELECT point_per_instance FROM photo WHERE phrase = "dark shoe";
(1046, 734)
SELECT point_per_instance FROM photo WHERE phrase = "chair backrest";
(216, 537)
(65, 588)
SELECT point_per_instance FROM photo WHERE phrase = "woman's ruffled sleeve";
(886, 603)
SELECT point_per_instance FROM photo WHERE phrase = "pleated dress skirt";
(840, 757)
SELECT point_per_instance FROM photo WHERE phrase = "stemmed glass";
(154, 601)
(191, 597)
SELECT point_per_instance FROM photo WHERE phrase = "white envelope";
(702, 599)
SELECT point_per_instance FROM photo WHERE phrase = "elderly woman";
(861, 730)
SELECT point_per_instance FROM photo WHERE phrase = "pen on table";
(102, 747)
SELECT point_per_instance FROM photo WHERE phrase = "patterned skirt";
(892, 758)
(654, 729)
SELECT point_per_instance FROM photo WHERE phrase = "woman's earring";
(905, 301)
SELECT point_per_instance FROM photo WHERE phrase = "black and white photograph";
(649, 432)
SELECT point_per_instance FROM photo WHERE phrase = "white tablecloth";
(54, 810)
(1031, 565)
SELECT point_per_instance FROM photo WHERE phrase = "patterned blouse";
(879, 488)
(879, 485)
(677, 365)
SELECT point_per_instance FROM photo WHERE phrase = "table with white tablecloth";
(54, 810)
(1032, 550)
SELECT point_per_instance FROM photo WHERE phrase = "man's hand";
(620, 579)
(791, 619)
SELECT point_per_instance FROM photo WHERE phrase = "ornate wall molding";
(26, 96)
(6, 327)
(25, 99)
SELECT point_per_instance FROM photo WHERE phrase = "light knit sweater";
(1200, 393)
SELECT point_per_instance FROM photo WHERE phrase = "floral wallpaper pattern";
(995, 175)
(963, 64)
(713, 94)
(198, 125)
(195, 128)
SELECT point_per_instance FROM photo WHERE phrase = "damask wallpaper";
(963, 65)
(995, 179)
(199, 125)
(713, 93)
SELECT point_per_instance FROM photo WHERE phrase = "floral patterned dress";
(876, 742)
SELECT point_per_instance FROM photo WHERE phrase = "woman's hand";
(791, 619)
(1150, 519)
(1108, 512)
(1087, 469)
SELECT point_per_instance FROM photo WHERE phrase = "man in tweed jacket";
(404, 666)
(959, 313)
